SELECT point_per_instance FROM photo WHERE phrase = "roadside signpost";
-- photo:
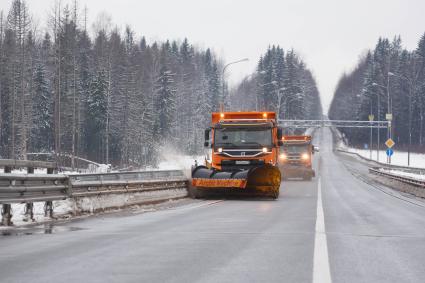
(389, 143)
(371, 118)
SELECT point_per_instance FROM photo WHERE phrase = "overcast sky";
(330, 35)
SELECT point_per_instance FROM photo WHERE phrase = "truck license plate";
(242, 162)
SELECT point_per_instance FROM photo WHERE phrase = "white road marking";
(321, 270)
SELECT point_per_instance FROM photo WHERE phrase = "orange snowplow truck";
(244, 154)
(295, 159)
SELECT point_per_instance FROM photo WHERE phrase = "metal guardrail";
(27, 163)
(29, 188)
(109, 183)
(332, 123)
(378, 170)
(20, 188)
(403, 179)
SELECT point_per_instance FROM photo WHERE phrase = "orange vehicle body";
(244, 153)
(295, 159)
(252, 118)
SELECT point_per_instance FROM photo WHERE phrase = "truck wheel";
(274, 194)
(193, 192)
(307, 178)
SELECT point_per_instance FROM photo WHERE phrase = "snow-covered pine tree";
(97, 107)
(42, 130)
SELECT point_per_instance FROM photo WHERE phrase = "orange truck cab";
(241, 140)
(244, 151)
(295, 157)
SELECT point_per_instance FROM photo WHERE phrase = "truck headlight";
(305, 156)
(220, 149)
(265, 149)
(283, 156)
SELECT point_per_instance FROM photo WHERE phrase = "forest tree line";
(388, 79)
(282, 83)
(112, 98)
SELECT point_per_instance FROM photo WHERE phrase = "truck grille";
(293, 158)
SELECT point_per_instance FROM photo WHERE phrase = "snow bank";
(72, 207)
(399, 157)
(417, 176)
(61, 208)
(24, 171)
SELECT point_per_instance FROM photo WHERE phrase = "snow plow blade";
(262, 180)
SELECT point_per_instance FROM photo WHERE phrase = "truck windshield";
(295, 148)
(237, 137)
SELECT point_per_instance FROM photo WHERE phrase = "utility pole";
(222, 77)
(410, 82)
(389, 116)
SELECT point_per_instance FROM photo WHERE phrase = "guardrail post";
(29, 211)
(48, 209)
(29, 206)
(48, 205)
(7, 169)
(6, 211)
(6, 214)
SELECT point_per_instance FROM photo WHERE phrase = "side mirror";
(279, 133)
(207, 137)
(315, 149)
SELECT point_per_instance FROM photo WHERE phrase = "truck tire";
(193, 192)
(307, 177)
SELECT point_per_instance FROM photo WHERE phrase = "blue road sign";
(390, 152)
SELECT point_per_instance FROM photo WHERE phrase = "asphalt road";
(336, 227)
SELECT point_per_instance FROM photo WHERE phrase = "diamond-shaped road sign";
(389, 143)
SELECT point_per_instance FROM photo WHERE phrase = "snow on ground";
(417, 176)
(67, 208)
(61, 207)
(24, 171)
(398, 158)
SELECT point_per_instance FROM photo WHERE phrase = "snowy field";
(399, 157)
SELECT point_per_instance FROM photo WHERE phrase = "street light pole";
(410, 82)
(389, 112)
(371, 130)
(379, 113)
(222, 76)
